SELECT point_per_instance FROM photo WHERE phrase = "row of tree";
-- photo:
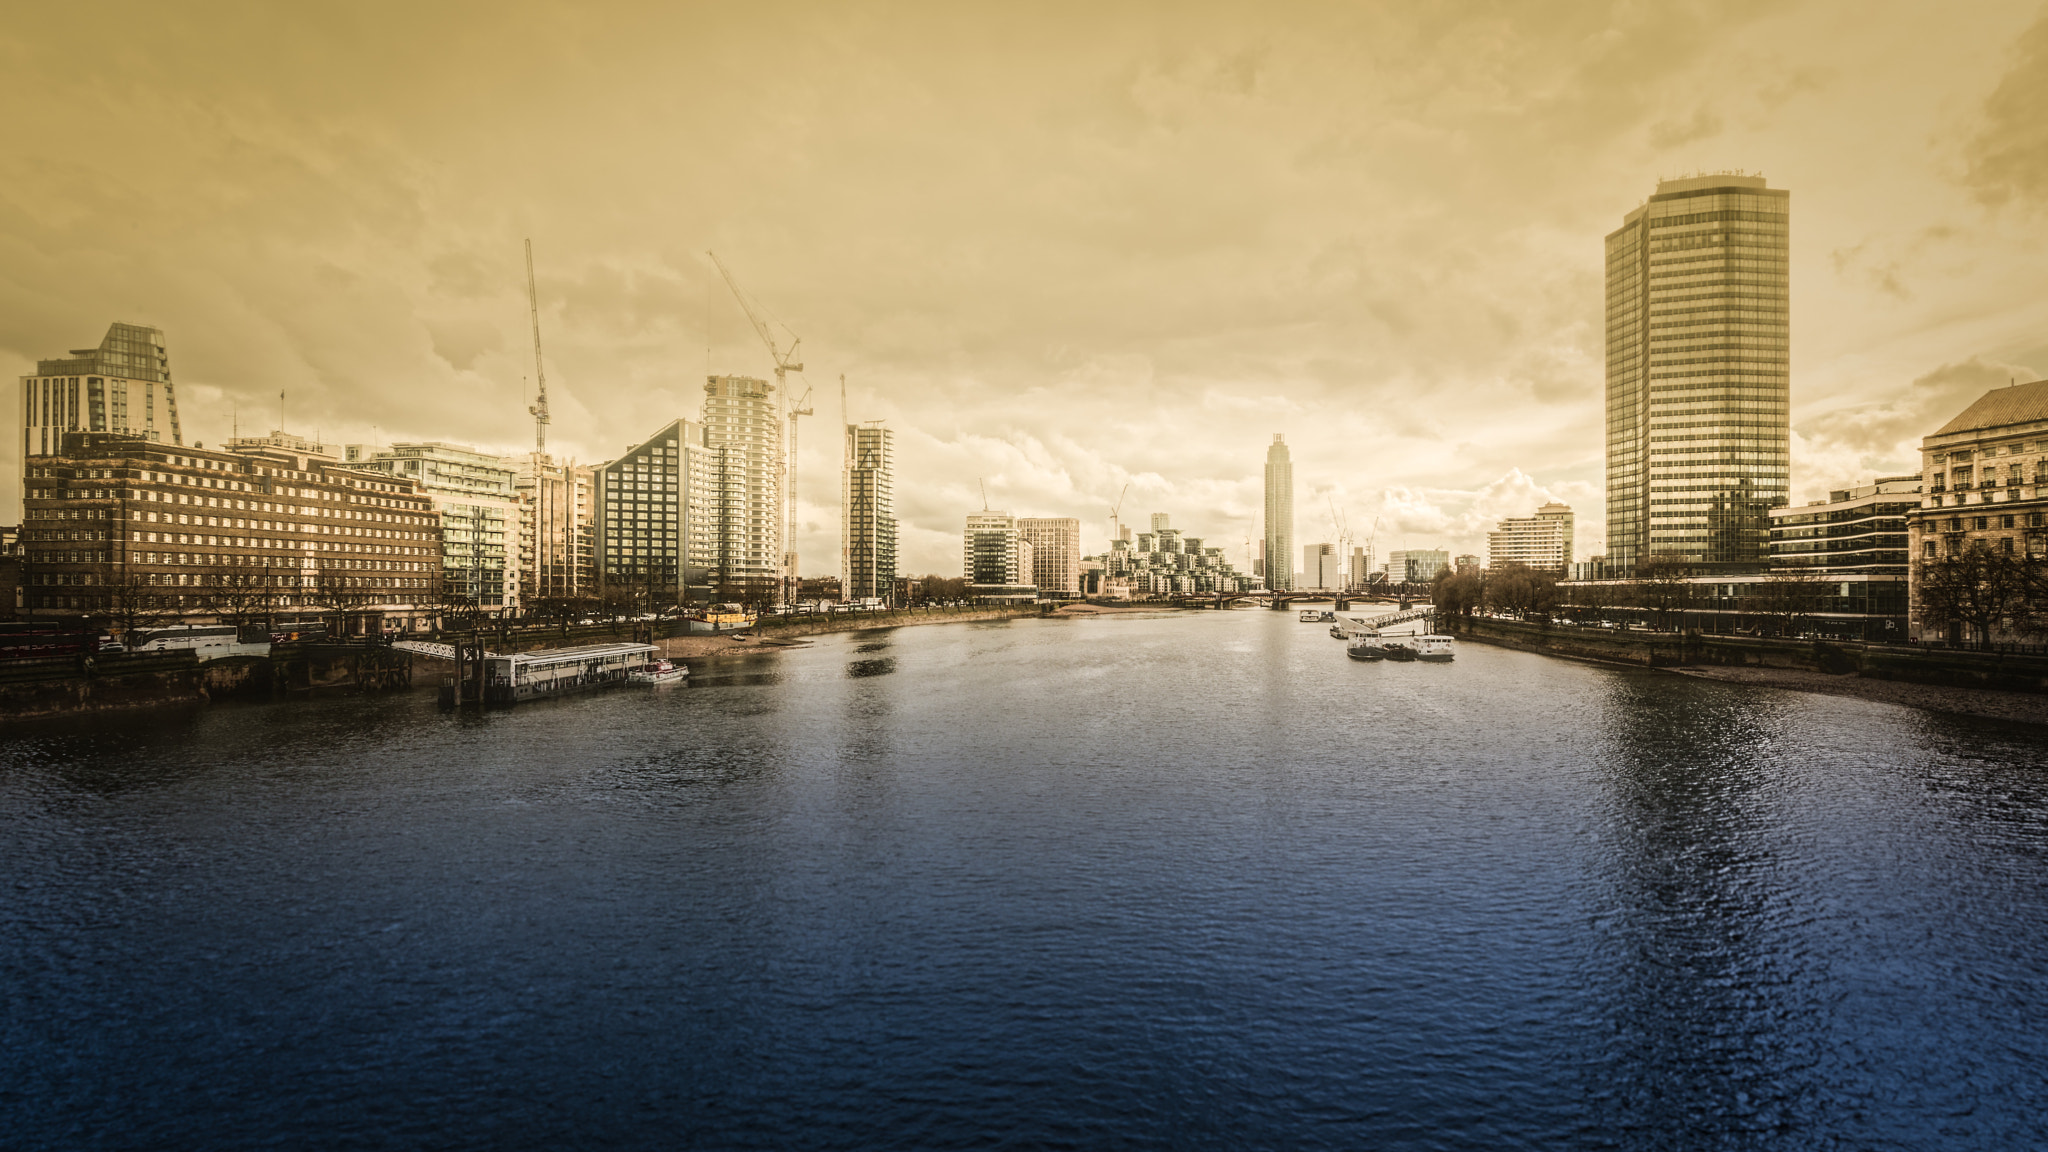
(1981, 591)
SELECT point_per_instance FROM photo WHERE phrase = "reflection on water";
(1159, 881)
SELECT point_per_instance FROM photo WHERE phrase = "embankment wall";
(1947, 667)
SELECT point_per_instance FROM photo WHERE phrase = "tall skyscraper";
(1279, 516)
(867, 516)
(1698, 373)
(124, 385)
(743, 435)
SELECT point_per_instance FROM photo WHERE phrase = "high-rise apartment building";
(557, 530)
(1056, 552)
(995, 558)
(1322, 568)
(867, 516)
(475, 495)
(124, 385)
(1698, 373)
(1542, 541)
(742, 540)
(1279, 516)
(651, 505)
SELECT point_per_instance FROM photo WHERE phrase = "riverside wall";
(124, 682)
(779, 627)
(1954, 668)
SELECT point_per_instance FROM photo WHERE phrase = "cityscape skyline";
(1324, 300)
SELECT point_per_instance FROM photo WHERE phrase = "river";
(1142, 881)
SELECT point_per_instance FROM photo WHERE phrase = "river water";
(1167, 881)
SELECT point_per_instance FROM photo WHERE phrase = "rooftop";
(2018, 404)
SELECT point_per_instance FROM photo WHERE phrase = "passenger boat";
(1433, 649)
(1310, 616)
(719, 618)
(1402, 650)
(1338, 631)
(658, 672)
(1366, 646)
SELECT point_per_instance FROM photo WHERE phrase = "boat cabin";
(553, 671)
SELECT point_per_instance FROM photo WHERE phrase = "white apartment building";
(1055, 543)
(742, 538)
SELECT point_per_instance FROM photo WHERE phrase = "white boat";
(658, 672)
(1433, 649)
(1310, 616)
(1338, 631)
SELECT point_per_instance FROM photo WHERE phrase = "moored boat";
(1309, 616)
(1402, 650)
(1338, 631)
(658, 672)
(1433, 649)
(1365, 646)
(720, 618)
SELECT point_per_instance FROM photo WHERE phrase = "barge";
(523, 676)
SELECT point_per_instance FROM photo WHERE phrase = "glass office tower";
(1698, 374)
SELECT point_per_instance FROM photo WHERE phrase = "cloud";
(2008, 155)
(1701, 125)
(1839, 444)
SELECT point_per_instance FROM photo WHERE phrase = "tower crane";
(1116, 531)
(539, 411)
(785, 360)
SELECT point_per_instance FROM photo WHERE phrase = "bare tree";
(343, 596)
(133, 605)
(1982, 589)
(1788, 598)
(239, 598)
(1662, 590)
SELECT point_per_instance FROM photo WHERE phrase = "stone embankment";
(114, 682)
(1953, 680)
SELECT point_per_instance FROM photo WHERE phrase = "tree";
(239, 598)
(1455, 595)
(1787, 597)
(1982, 589)
(1662, 589)
(133, 605)
(1590, 598)
(1522, 590)
(344, 596)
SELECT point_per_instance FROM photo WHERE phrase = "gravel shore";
(2021, 707)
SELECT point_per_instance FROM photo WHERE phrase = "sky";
(1070, 253)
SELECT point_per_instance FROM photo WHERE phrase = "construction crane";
(796, 408)
(539, 411)
(1116, 531)
(786, 361)
(539, 408)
